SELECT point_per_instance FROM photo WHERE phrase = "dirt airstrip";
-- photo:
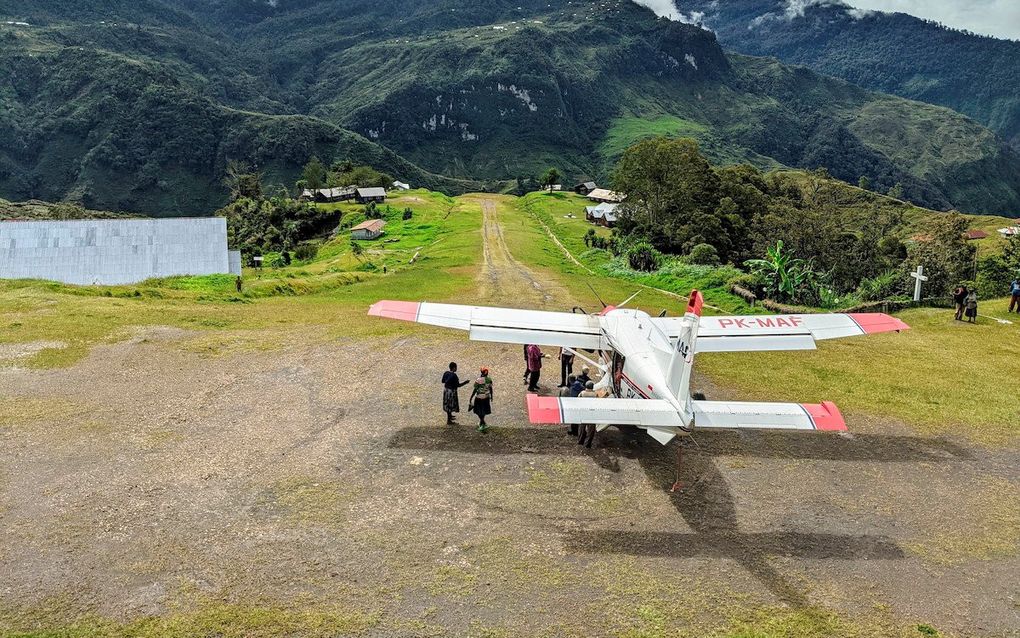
(152, 477)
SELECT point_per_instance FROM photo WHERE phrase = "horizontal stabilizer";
(768, 416)
(778, 332)
(609, 411)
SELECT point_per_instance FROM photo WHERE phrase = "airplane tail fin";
(682, 361)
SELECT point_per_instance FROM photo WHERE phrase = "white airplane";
(647, 361)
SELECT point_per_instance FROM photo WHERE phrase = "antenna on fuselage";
(604, 304)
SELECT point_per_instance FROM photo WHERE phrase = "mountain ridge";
(149, 112)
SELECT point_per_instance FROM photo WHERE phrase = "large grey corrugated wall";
(113, 251)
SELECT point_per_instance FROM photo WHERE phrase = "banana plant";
(783, 275)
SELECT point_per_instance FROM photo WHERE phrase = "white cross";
(919, 276)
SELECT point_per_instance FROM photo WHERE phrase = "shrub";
(882, 287)
(704, 255)
(408, 214)
(643, 257)
(306, 252)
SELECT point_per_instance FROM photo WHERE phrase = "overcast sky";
(1000, 18)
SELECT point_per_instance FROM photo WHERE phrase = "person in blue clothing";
(577, 387)
(1014, 295)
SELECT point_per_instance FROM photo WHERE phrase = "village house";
(370, 229)
(325, 195)
(602, 215)
(401, 186)
(584, 188)
(374, 194)
(605, 195)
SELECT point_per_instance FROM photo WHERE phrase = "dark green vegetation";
(889, 52)
(141, 105)
(44, 210)
(804, 237)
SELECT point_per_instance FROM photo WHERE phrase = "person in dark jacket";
(577, 387)
(959, 298)
(451, 400)
(481, 398)
(566, 392)
(566, 366)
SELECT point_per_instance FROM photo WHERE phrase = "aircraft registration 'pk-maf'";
(647, 361)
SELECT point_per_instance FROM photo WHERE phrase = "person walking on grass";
(960, 298)
(972, 306)
(566, 366)
(481, 399)
(534, 367)
(1014, 295)
(451, 400)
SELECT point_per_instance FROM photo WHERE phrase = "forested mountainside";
(140, 105)
(889, 52)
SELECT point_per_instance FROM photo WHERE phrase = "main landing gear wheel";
(677, 485)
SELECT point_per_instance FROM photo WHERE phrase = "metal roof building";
(113, 251)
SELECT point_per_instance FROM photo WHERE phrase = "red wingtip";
(874, 322)
(695, 303)
(403, 310)
(544, 410)
(826, 416)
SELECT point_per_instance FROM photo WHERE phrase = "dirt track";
(311, 475)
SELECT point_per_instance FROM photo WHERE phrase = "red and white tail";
(681, 364)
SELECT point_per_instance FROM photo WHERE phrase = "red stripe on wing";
(403, 310)
(874, 322)
(544, 410)
(825, 416)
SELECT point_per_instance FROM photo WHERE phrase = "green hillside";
(139, 106)
(889, 52)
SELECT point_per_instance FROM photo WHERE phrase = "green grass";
(331, 292)
(941, 377)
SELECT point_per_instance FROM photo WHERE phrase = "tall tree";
(314, 173)
(551, 178)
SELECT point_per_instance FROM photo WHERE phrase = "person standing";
(972, 306)
(960, 298)
(585, 376)
(451, 400)
(586, 434)
(1014, 295)
(567, 392)
(534, 367)
(481, 399)
(527, 368)
(566, 366)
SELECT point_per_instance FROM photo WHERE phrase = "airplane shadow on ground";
(706, 504)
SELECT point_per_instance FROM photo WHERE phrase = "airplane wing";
(662, 422)
(503, 325)
(608, 411)
(778, 332)
(768, 416)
